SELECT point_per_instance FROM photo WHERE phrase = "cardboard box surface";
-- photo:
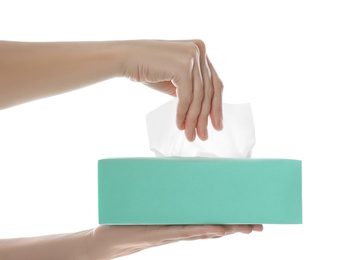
(156, 191)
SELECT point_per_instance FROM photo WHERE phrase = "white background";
(285, 57)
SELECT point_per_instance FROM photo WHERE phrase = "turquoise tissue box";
(178, 191)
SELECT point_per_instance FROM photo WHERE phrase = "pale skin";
(29, 71)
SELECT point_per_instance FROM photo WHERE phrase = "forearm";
(101, 243)
(66, 246)
(30, 71)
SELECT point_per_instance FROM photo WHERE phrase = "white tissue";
(236, 140)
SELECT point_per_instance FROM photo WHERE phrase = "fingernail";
(203, 134)
(193, 136)
(206, 133)
(220, 123)
(257, 228)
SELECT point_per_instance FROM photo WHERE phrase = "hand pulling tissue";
(235, 140)
(200, 182)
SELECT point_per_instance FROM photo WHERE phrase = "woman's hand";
(115, 241)
(32, 70)
(108, 242)
(182, 69)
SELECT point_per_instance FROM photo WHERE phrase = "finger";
(231, 229)
(258, 228)
(228, 230)
(195, 107)
(206, 104)
(216, 108)
(201, 127)
(184, 90)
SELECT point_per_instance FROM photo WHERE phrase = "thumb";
(165, 86)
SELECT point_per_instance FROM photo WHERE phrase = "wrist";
(118, 53)
(100, 240)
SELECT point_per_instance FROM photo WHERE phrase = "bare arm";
(108, 242)
(64, 246)
(29, 71)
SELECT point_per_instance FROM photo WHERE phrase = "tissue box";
(158, 191)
